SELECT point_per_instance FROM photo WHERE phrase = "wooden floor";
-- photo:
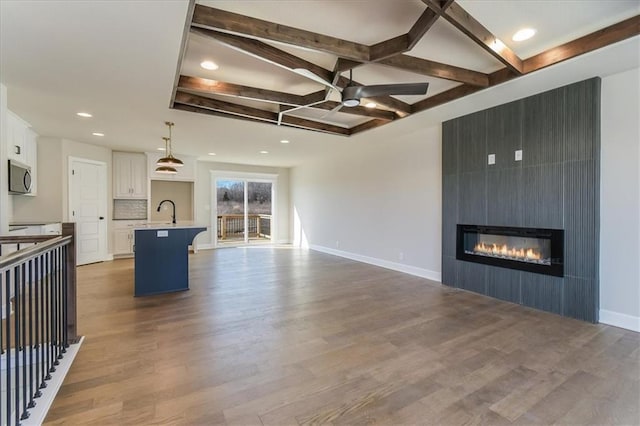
(285, 337)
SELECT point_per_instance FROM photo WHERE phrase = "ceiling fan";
(352, 93)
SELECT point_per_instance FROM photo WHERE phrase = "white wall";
(52, 201)
(620, 201)
(203, 203)
(378, 200)
(47, 204)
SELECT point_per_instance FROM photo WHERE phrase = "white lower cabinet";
(122, 241)
(124, 236)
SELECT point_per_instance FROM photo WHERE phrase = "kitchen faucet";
(173, 216)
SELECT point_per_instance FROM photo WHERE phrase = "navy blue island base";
(162, 259)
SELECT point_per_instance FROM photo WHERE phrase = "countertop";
(33, 223)
(166, 225)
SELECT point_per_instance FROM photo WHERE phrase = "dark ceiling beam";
(304, 123)
(288, 61)
(444, 97)
(388, 48)
(190, 108)
(403, 109)
(255, 114)
(371, 124)
(223, 106)
(359, 110)
(406, 42)
(314, 97)
(207, 17)
(263, 51)
(596, 40)
(215, 87)
(436, 69)
(466, 23)
(183, 48)
(424, 24)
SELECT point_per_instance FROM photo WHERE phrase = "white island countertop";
(168, 225)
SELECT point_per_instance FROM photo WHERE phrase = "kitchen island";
(162, 257)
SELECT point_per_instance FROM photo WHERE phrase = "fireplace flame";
(504, 250)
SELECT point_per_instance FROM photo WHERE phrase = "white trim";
(39, 412)
(205, 246)
(271, 178)
(407, 269)
(617, 319)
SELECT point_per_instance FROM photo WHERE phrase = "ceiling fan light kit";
(168, 163)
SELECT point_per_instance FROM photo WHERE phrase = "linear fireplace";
(528, 249)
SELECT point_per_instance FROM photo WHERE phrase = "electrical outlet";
(491, 159)
(519, 155)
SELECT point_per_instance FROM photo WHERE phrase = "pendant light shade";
(163, 167)
(169, 161)
(166, 170)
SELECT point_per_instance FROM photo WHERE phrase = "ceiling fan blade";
(334, 110)
(393, 89)
(310, 75)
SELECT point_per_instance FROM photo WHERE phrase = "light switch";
(491, 159)
(162, 234)
(519, 155)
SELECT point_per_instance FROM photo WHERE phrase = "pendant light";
(167, 170)
(169, 160)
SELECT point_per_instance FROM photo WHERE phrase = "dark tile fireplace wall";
(556, 185)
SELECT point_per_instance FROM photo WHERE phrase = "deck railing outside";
(38, 296)
(231, 226)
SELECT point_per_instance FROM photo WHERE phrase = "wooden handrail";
(25, 239)
(69, 230)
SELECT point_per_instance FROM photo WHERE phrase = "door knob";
(101, 218)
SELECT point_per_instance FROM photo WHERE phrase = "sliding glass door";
(244, 210)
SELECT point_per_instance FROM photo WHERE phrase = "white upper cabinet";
(16, 134)
(185, 173)
(22, 146)
(129, 175)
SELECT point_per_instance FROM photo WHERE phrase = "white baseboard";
(407, 269)
(207, 246)
(109, 257)
(38, 413)
(617, 319)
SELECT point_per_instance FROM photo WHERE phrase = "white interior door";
(88, 208)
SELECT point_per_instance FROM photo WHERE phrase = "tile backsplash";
(129, 209)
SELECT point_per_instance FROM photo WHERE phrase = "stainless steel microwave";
(19, 178)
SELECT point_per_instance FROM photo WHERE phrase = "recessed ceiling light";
(523, 34)
(212, 153)
(264, 152)
(84, 114)
(371, 105)
(162, 149)
(97, 134)
(209, 65)
(284, 141)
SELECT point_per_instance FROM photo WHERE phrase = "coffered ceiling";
(119, 60)
(285, 63)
